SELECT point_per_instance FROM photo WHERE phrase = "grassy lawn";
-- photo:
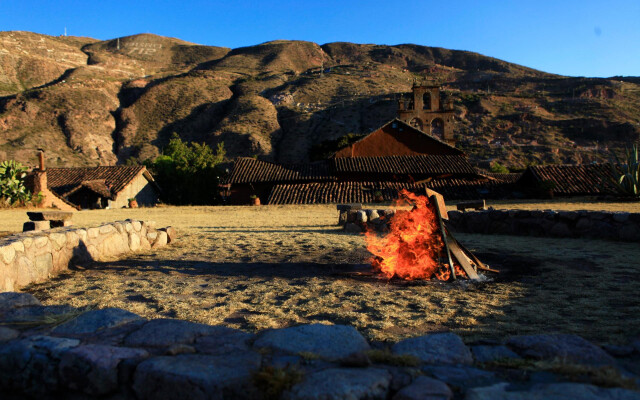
(273, 266)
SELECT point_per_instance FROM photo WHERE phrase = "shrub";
(188, 173)
(498, 168)
(12, 188)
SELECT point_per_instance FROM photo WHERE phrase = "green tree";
(188, 173)
(12, 188)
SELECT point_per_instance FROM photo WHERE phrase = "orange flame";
(412, 247)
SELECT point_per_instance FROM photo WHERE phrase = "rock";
(436, 348)
(195, 376)
(361, 216)
(161, 240)
(571, 348)
(342, 218)
(7, 334)
(373, 216)
(36, 226)
(35, 313)
(561, 229)
(172, 234)
(31, 365)
(618, 351)
(425, 388)
(93, 369)
(484, 354)
(137, 225)
(180, 349)
(620, 216)
(351, 227)
(166, 332)
(461, 377)
(342, 383)
(93, 232)
(223, 340)
(554, 391)
(7, 253)
(327, 341)
(151, 236)
(134, 241)
(92, 321)
(357, 360)
(9, 300)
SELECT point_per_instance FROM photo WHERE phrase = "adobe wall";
(36, 256)
(621, 226)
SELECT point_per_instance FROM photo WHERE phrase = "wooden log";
(433, 199)
(476, 260)
(464, 262)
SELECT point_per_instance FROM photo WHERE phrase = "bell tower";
(425, 111)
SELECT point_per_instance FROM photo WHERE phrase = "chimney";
(41, 159)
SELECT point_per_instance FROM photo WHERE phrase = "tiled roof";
(507, 178)
(364, 192)
(249, 170)
(573, 179)
(98, 186)
(62, 180)
(417, 165)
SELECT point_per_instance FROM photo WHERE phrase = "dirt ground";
(273, 266)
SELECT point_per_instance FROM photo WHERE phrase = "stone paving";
(111, 353)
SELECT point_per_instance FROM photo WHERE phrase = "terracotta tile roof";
(411, 165)
(249, 170)
(508, 178)
(63, 180)
(572, 179)
(363, 192)
(98, 186)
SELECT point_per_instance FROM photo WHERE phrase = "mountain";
(91, 102)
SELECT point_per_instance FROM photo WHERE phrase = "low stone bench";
(356, 221)
(42, 220)
(475, 204)
(345, 209)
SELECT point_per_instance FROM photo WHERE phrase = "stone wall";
(36, 256)
(621, 226)
(115, 354)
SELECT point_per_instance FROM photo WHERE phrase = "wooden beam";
(465, 263)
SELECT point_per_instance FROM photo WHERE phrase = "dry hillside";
(93, 102)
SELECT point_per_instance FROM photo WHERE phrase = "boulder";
(342, 383)
(571, 348)
(166, 332)
(9, 300)
(94, 320)
(435, 348)
(461, 376)
(555, 391)
(195, 376)
(425, 388)
(327, 341)
(484, 353)
(93, 369)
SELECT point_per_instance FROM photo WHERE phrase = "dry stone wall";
(115, 354)
(36, 256)
(621, 226)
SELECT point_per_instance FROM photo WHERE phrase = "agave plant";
(626, 173)
(12, 189)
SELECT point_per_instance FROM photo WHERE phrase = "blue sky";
(576, 38)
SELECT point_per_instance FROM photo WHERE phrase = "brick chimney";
(40, 176)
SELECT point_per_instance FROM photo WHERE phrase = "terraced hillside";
(93, 102)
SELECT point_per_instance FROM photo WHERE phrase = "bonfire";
(418, 245)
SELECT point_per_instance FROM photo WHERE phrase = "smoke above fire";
(412, 247)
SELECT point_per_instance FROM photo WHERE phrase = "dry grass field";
(273, 266)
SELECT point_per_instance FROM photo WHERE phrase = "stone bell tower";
(424, 111)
